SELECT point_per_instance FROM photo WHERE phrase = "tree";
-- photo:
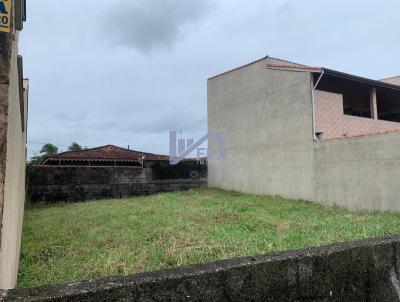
(48, 149)
(37, 159)
(75, 147)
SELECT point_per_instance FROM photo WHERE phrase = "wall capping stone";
(363, 270)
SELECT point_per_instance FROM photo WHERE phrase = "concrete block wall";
(366, 270)
(333, 123)
(75, 183)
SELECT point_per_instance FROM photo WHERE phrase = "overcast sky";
(125, 72)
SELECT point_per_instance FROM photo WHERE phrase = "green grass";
(71, 242)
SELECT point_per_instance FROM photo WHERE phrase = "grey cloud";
(284, 9)
(160, 124)
(86, 90)
(70, 117)
(152, 24)
(164, 124)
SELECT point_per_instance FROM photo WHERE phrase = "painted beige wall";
(13, 195)
(359, 173)
(265, 117)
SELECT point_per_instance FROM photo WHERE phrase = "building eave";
(359, 79)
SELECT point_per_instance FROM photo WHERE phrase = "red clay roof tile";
(106, 153)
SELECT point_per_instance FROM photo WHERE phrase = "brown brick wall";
(333, 123)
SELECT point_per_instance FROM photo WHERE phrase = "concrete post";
(373, 104)
(13, 102)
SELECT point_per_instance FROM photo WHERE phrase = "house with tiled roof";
(108, 155)
(307, 132)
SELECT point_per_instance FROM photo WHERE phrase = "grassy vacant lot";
(71, 242)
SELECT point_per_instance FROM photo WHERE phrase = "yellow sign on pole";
(5, 15)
